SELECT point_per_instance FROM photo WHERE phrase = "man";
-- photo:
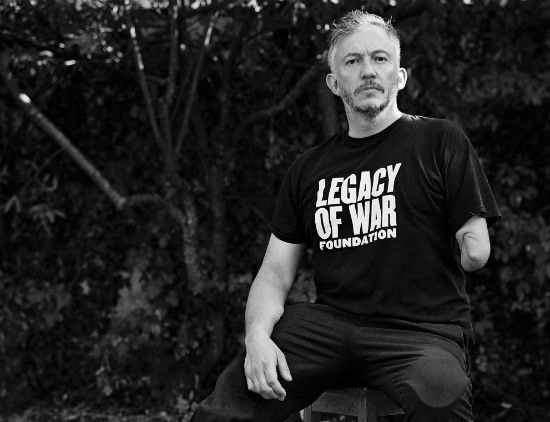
(396, 208)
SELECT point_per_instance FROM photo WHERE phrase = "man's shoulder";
(436, 133)
(432, 124)
(441, 137)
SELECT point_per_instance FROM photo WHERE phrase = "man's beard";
(370, 111)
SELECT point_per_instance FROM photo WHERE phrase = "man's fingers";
(273, 382)
(257, 383)
(279, 392)
(265, 390)
(248, 374)
(283, 367)
(251, 376)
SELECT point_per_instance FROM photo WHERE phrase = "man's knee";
(438, 381)
(437, 389)
(230, 399)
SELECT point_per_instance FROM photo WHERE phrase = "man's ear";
(332, 83)
(401, 78)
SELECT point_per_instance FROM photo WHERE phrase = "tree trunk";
(219, 241)
(215, 345)
(220, 278)
(3, 250)
(327, 106)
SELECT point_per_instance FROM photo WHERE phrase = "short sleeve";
(286, 222)
(467, 191)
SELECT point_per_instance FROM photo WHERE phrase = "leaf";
(35, 296)
(51, 317)
(107, 390)
(182, 405)
(85, 287)
(172, 298)
(12, 202)
(481, 327)
(153, 288)
(132, 299)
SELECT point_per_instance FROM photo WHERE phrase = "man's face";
(366, 70)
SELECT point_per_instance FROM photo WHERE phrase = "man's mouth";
(368, 87)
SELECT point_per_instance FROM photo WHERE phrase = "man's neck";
(361, 126)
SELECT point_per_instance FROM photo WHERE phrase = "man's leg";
(312, 339)
(425, 373)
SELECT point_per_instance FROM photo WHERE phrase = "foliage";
(98, 306)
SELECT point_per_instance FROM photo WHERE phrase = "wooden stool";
(364, 403)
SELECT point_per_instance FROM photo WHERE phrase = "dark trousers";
(424, 373)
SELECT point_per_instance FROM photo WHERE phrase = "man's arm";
(473, 239)
(264, 308)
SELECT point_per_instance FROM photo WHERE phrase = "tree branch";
(173, 62)
(225, 86)
(191, 97)
(141, 77)
(201, 137)
(217, 171)
(59, 137)
(187, 219)
(173, 55)
(154, 199)
(188, 223)
(59, 51)
(191, 244)
(184, 60)
(406, 9)
(3, 248)
(66, 145)
(199, 127)
(210, 7)
(312, 72)
(10, 38)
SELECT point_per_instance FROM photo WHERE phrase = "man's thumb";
(283, 367)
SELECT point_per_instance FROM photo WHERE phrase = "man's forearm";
(265, 304)
(473, 254)
(265, 362)
(473, 240)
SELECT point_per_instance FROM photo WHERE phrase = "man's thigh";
(313, 339)
(310, 338)
(425, 373)
(313, 334)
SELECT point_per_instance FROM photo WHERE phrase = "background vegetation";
(142, 144)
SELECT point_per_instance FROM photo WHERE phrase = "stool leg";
(362, 410)
(306, 414)
(311, 416)
(370, 409)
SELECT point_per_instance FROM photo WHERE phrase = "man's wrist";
(254, 332)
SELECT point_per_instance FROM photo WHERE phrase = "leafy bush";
(99, 306)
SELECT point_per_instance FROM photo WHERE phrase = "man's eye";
(351, 61)
(380, 59)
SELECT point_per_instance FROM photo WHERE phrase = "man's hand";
(263, 359)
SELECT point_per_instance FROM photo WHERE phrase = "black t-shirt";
(381, 213)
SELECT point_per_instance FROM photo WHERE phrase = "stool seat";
(364, 403)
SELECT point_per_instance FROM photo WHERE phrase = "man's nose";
(367, 70)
